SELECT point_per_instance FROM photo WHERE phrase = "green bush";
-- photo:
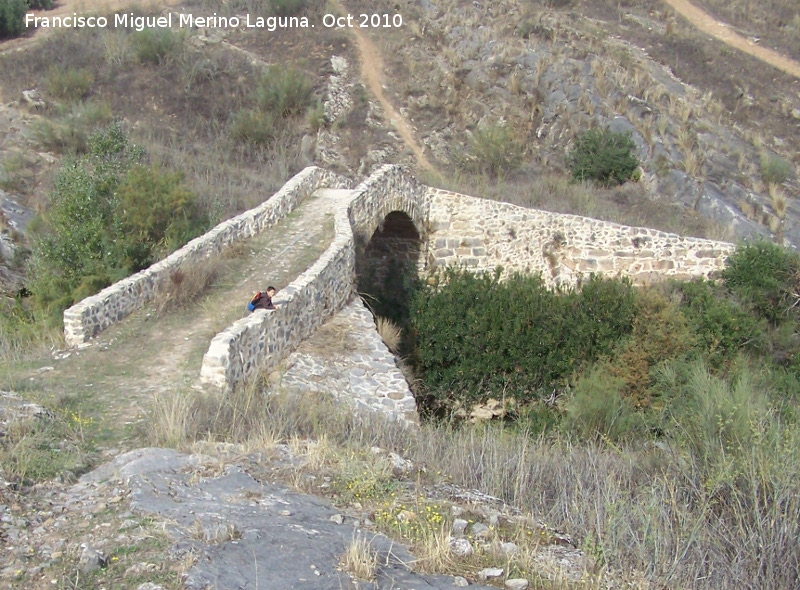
(597, 408)
(714, 418)
(109, 216)
(70, 131)
(476, 337)
(722, 329)
(284, 92)
(766, 277)
(156, 46)
(603, 156)
(494, 150)
(660, 333)
(774, 169)
(12, 17)
(157, 214)
(68, 84)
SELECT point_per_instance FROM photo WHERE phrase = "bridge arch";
(389, 221)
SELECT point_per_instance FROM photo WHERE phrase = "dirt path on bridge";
(148, 353)
(708, 24)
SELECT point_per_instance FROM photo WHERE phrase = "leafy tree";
(603, 156)
(157, 214)
(110, 215)
(480, 337)
(12, 17)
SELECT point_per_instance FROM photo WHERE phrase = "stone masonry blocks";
(565, 249)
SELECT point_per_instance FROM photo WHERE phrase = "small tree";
(604, 157)
(12, 17)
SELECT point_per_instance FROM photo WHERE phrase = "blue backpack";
(256, 298)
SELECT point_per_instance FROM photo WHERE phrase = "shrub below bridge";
(481, 337)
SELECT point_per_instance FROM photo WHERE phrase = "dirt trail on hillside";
(708, 24)
(372, 69)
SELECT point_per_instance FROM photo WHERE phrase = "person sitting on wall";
(263, 300)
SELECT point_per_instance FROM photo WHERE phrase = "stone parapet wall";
(388, 189)
(89, 317)
(260, 341)
(480, 235)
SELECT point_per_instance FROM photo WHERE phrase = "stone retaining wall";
(89, 317)
(481, 235)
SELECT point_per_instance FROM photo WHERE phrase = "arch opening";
(387, 266)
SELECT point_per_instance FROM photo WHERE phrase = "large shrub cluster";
(111, 214)
(12, 15)
(477, 337)
(603, 346)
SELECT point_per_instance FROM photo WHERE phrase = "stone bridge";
(390, 208)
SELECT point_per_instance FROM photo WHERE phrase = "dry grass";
(186, 287)
(692, 163)
(634, 508)
(390, 333)
(360, 559)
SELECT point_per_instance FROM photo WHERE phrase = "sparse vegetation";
(360, 559)
(69, 85)
(69, 132)
(284, 92)
(774, 169)
(390, 333)
(253, 126)
(287, 7)
(156, 45)
(494, 150)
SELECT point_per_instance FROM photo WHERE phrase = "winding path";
(372, 68)
(708, 24)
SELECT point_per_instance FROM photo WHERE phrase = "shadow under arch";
(387, 267)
